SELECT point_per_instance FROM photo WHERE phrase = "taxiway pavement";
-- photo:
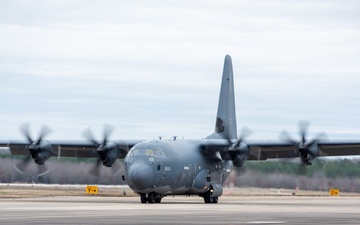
(181, 210)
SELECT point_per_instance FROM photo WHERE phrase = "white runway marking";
(265, 222)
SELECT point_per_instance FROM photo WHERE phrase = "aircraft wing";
(262, 150)
(86, 149)
(68, 148)
(338, 148)
(278, 149)
(259, 150)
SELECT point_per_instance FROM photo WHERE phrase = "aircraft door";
(160, 169)
(184, 176)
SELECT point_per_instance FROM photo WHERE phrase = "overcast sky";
(153, 68)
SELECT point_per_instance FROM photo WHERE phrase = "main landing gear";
(208, 199)
(151, 198)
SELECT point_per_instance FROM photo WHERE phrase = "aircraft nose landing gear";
(151, 198)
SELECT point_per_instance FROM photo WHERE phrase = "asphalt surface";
(181, 210)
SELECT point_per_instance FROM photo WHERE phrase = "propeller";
(42, 170)
(107, 152)
(96, 169)
(25, 130)
(308, 149)
(244, 133)
(238, 150)
(23, 164)
(39, 149)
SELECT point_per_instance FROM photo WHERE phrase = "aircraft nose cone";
(140, 176)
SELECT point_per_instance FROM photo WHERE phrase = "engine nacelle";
(307, 158)
(309, 153)
(41, 157)
(239, 160)
(108, 154)
(40, 152)
(240, 154)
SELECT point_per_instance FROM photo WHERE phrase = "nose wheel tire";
(151, 198)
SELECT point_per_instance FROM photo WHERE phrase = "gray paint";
(225, 125)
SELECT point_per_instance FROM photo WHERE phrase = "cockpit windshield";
(150, 151)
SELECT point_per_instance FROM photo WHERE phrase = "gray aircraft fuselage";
(158, 168)
(176, 167)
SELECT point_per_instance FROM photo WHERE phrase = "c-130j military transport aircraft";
(157, 168)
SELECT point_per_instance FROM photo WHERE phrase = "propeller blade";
(87, 134)
(284, 135)
(95, 171)
(108, 129)
(302, 169)
(256, 152)
(117, 167)
(245, 132)
(242, 171)
(42, 170)
(24, 129)
(45, 130)
(303, 127)
(322, 163)
(23, 164)
(318, 137)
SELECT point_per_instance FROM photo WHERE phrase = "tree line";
(343, 174)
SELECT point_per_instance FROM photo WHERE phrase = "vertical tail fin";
(225, 126)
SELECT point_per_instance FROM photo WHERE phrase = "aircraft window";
(157, 153)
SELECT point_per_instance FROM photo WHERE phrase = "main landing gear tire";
(208, 199)
(158, 199)
(215, 200)
(143, 198)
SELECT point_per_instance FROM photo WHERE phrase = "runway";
(181, 210)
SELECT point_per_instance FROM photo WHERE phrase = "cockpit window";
(151, 152)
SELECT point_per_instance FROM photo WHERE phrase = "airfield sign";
(334, 192)
(92, 190)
